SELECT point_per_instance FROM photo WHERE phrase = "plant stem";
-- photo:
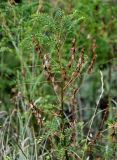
(63, 122)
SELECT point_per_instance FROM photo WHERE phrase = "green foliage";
(36, 119)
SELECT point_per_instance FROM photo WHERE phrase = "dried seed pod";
(48, 72)
(46, 62)
(37, 47)
(37, 113)
(81, 60)
(94, 46)
(64, 74)
(92, 63)
(73, 51)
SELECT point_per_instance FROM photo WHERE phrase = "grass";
(58, 87)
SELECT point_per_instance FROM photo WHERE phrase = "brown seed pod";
(37, 47)
(94, 46)
(37, 113)
(73, 51)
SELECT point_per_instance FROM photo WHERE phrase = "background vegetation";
(58, 79)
